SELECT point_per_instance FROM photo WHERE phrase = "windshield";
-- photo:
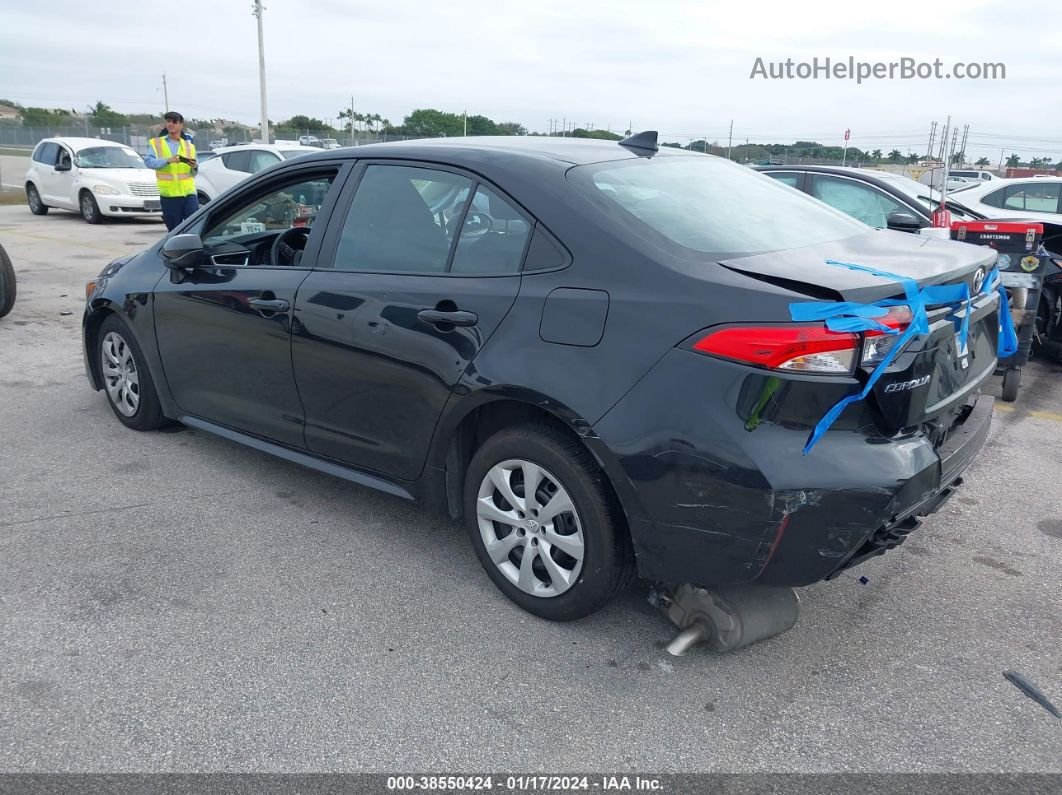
(109, 157)
(708, 204)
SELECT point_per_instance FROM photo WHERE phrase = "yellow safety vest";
(174, 179)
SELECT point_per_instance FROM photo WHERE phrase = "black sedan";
(585, 348)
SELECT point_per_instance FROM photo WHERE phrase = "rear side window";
(995, 199)
(785, 177)
(709, 205)
(46, 153)
(1032, 196)
(402, 220)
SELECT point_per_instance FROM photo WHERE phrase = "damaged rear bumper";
(725, 494)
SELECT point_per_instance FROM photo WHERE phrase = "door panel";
(224, 329)
(227, 361)
(373, 376)
(382, 337)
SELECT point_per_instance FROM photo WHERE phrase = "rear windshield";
(710, 205)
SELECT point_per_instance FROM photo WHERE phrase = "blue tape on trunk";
(855, 317)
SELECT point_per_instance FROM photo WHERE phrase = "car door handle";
(267, 305)
(436, 317)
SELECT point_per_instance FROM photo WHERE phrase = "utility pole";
(730, 140)
(962, 149)
(261, 70)
(1000, 169)
(465, 115)
(932, 136)
(564, 124)
(706, 143)
(165, 93)
(352, 139)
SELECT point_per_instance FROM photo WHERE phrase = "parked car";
(329, 143)
(309, 140)
(878, 198)
(973, 175)
(8, 286)
(1028, 198)
(584, 348)
(94, 177)
(233, 164)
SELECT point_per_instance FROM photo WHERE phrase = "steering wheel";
(477, 224)
(287, 246)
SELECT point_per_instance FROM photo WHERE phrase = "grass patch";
(12, 197)
(7, 150)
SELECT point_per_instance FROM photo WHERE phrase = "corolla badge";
(905, 386)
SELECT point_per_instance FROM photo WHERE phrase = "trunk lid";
(929, 381)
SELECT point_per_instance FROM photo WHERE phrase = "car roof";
(77, 144)
(471, 151)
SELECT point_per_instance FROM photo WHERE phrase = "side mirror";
(903, 222)
(63, 166)
(182, 251)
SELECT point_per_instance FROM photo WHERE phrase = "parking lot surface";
(176, 602)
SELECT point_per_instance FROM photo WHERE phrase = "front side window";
(862, 202)
(995, 199)
(47, 153)
(402, 219)
(294, 204)
(706, 204)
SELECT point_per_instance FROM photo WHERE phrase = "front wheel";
(203, 198)
(126, 379)
(90, 211)
(543, 523)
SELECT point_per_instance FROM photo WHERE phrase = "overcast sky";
(680, 67)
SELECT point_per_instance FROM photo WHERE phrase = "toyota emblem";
(979, 279)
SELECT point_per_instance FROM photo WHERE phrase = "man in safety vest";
(173, 158)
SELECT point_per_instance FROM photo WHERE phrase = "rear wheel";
(33, 198)
(90, 211)
(543, 523)
(126, 379)
(203, 198)
(7, 283)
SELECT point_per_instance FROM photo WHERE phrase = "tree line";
(433, 123)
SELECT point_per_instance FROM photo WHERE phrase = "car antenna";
(643, 140)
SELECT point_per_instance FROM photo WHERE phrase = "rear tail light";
(877, 344)
(804, 349)
(811, 348)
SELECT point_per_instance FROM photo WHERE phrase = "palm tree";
(1013, 161)
(895, 156)
(982, 162)
(876, 154)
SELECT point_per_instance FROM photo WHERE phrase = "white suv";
(234, 164)
(95, 177)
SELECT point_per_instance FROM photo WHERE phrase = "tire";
(7, 283)
(1011, 381)
(90, 211)
(33, 198)
(126, 379)
(203, 198)
(580, 557)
